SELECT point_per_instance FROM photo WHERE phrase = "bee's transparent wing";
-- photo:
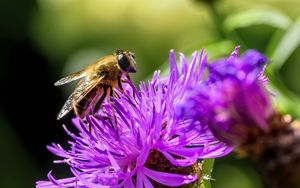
(83, 88)
(67, 107)
(70, 78)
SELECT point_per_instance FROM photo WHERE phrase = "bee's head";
(126, 61)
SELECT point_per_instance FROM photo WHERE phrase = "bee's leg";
(97, 103)
(120, 84)
(128, 78)
(89, 111)
(111, 93)
(100, 101)
(122, 90)
(92, 101)
(109, 120)
(75, 109)
(81, 113)
(89, 127)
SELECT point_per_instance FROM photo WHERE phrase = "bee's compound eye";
(123, 62)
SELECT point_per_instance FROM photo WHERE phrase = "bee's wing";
(85, 86)
(70, 78)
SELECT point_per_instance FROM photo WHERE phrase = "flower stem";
(218, 20)
(208, 165)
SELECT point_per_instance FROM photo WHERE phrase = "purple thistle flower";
(233, 100)
(137, 140)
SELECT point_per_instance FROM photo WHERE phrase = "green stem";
(208, 165)
(218, 20)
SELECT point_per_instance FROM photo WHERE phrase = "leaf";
(251, 17)
(274, 41)
(285, 100)
(286, 46)
(282, 45)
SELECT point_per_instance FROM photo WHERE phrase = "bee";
(97, 81)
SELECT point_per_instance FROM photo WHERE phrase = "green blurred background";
(43, 40)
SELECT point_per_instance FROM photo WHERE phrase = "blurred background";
(44, 40)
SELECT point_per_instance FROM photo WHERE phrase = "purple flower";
(137, 140)
(233, 100)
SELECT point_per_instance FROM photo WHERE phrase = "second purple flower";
(233, 99)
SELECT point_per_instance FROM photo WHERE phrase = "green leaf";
(274, 41)
(282, 45)
(208, 165)
(251, 17)
(286, 46)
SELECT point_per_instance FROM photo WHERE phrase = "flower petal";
(169, 178)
